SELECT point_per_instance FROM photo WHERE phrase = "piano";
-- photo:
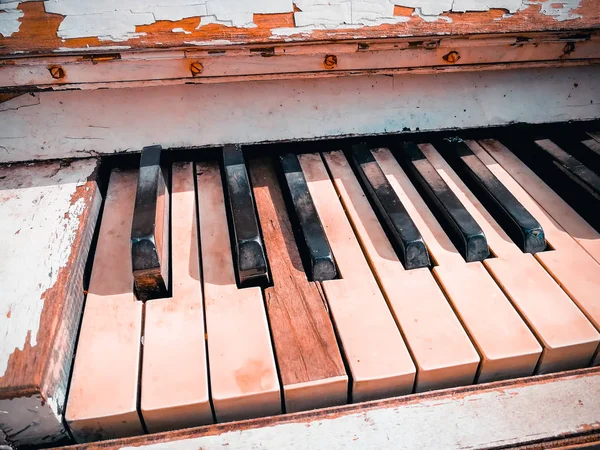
(277, 224)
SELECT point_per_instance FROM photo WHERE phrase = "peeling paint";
(116, 20)
(181, 30)
(9, 18)
(37, 237)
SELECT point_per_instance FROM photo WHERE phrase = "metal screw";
(57, 72)
(569, 48)
(196, 68)
(451, 57)
(330, 61)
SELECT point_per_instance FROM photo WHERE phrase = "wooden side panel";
(49, 212)
(496, 415)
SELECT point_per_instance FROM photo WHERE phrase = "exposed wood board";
(49, 212)
(84, 123)
(492, 415)
(309, 60)
(29, 28)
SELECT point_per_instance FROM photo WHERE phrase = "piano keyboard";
(301, 281)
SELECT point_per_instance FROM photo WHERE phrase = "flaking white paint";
(9, 18)
(38, 228)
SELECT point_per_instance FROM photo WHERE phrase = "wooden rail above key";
(310, 364)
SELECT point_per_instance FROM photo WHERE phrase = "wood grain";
(63, 202)
(310, 364)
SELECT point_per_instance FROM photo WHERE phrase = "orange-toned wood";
(569, 264)
(441, 349)
(38, 29)
(505, 343)
(376, 354)
(104, 387)
(49, 213)
(174, 371)
(569, 340)
(310, 364)
(243, 375)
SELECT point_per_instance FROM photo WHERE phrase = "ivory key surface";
(569, 340)
(442, 351)
(174, 373)
(506, 345)
(243, 375)
(574, 268)
(376, 354)
(104, 387)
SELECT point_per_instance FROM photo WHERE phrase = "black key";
(518, 223)
(571, 167)
(249, 250)
(150, 229)
(319, 254)
(404, 235)
(465, 232)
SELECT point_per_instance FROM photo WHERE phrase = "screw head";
(330, 61)
(451, 57)
(57, 72)
(196, 68)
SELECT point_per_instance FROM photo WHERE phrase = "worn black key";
(519, 224)
(249, 250)
(319, 255)
(150, 229)
(405, 236)
(465, 232)
(571, 167)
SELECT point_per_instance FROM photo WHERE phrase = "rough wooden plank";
(309, 360)
(103, 394)
(36, 27)
(49, 212)
(174, 383)
(496, 415)
(77, 123)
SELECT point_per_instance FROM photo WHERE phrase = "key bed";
(372, 325)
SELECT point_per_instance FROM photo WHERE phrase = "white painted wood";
(41, 206)
(83, 123)
(134, 69)
(492, 417)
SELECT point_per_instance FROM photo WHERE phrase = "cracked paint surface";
(38, 229)
(116, 20)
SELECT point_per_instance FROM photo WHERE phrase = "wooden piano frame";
(182, 85)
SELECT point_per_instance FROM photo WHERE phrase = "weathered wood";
(49, 213)
(495, 415)
(310, 365)
(36, 27)
(77, 124)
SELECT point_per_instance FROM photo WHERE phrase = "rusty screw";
(451, 57)
(569, 48)
(330, 61)
(196, 68)
(57, 72)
